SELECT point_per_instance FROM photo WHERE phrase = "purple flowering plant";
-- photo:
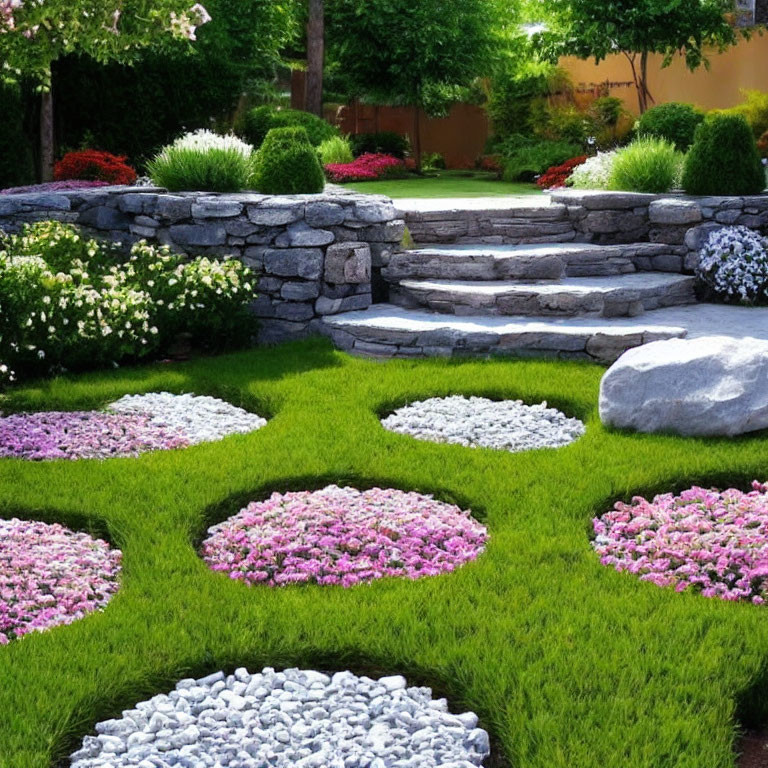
(50, 575)
(343, 536)
(709, 541)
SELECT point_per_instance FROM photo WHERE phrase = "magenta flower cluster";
(368, 167)
(54, 186)
(343, 536)
(713, 542)
(50, 575)
(83, 435)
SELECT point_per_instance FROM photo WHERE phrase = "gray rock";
(104, 218)
(215, 208)
(712, 385)
(301, 235)
(199, 234)
(348, 263)
(674, 211)
(173, 208)
(294, 262)
(324, 214)
(276, 212)
(293, 291)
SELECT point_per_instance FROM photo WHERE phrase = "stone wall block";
(301, 235)
(348, 263)
(275, 212)
(103, 217)
(215, 208)
(294, 262)
(324, 214)
(672, 211)
(198, 234)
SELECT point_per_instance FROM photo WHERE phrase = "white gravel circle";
(291, 719)
(509, 425)
(198, 418)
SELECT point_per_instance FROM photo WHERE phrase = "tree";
(418, 54)
(315, 56)
(33, 35)
(636, 29)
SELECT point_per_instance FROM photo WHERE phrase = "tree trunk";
(46, 133)
(645, 95)
(315, 56)
(417, 138)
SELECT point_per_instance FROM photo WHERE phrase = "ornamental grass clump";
(646, 165)
(707, 541)
(335, 150)
(204, 161)
(343, 536)
(287, 164)
(733, 265)
(51, 576)
(724, 159)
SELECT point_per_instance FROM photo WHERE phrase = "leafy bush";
(66, 302)
(733, 265)
(204, 161)
(564, 123)
(366, 168)
(287, 164)
(432, 161)
(258, 122)
(557, 176)
(532, 159)
(595, 173)
(94, 165)
(754, 109)
(335, 150)
(381, 143)
(723, 159)
(674, 122)
(646, 165)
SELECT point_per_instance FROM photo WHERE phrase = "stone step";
(616, 296)
(386, 330)
(547, 261)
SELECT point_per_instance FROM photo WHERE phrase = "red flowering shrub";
(365, 168)
(557, 175)
(94, 165)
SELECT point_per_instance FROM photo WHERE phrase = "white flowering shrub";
(595, 173)
(733, 265)
(66, 302)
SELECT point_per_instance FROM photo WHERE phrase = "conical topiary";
(287, 164)
(724, 159)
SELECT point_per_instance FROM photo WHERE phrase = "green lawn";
(446, 184)
(569, 664)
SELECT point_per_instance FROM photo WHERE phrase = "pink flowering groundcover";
(50, 575)
(343, 536)
(709, 541)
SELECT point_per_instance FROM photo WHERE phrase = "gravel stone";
(293, 719)
(480, 423)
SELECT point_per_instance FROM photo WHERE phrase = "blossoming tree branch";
(36, 33)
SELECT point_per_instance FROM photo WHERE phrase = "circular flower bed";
(343, 536)
(50, 575)
(289, 719)
(478, 422)
(131, 426)
(710, 541)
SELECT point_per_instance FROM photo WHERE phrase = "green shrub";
(674, 122)
(529, 160)
(646, 165)
(754, 109)
(724, 159)
(258, 122)
(335, 150)
(16, 166)
(204, 161)
(381, 143)
(287, 164)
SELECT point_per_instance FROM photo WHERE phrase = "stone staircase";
(507, 292)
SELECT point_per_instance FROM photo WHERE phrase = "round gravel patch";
(50, 575)
(133, 425)
(343, 536)
(476, 422)
(291, 719)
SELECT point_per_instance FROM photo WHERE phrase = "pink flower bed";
(83, 435)
(50, 575)
(713, 542)
(343, 536)
(368, 167)
(54, 186)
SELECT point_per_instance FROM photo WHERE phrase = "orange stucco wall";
(744, 66)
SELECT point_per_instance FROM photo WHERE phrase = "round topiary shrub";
(646, 165)
(287, 164)
(674, 122)
(257, 123)
(724, 159)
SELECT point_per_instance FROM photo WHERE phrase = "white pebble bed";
(200, 419)
(291, 719)
(509, 425)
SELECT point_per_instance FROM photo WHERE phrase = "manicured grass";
(569, 664)
(446, 184)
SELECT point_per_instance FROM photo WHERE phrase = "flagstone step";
(626, 295)
(386, 330)
(549, 261)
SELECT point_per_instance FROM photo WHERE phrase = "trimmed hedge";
(258, 122)
(287, 164)
(674, 122)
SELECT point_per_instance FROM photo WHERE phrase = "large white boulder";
(712, 385)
